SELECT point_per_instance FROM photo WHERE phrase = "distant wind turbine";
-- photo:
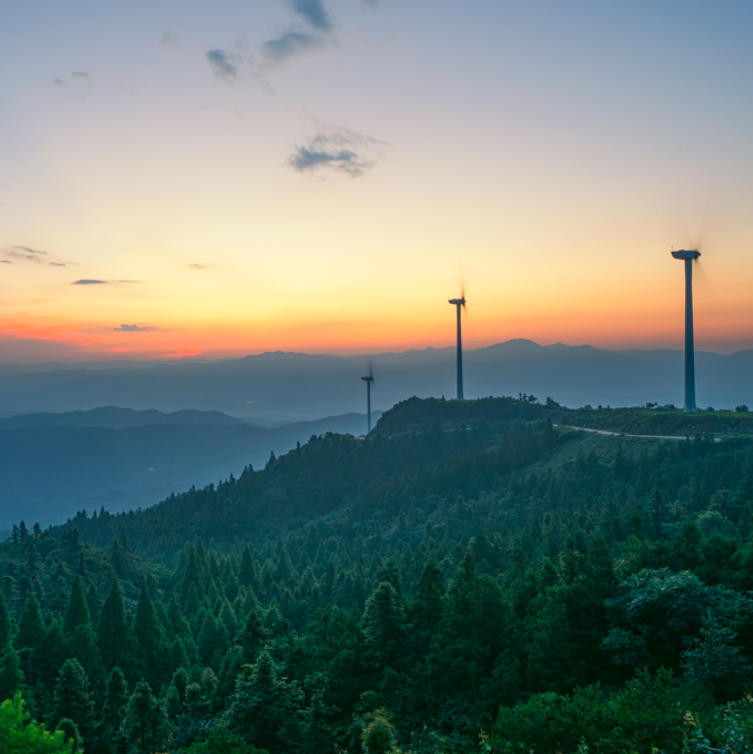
(369, 378)
(689, 257)
(459, 302)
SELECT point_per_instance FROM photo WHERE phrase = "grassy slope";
(645, 422)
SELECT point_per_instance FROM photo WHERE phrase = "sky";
(196, 179)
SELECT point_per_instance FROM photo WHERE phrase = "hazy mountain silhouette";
(93, 458)
(118, 418)
(275, 388)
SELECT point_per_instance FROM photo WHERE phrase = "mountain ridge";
(278, 388)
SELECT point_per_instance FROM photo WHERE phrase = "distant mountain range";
(53, 465)
(119, 418)
(276, 388)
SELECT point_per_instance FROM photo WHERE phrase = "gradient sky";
(215, 179)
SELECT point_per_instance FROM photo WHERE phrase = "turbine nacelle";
(368, 378)
(682, 254)
(457, 301)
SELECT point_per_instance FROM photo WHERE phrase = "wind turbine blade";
(700, 273)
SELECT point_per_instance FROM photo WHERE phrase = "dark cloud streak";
(223, 64)
(25, 254)
(233, 65)
(135, 328)
(313, 13)
(339, 150)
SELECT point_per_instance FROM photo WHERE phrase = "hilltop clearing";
(638, 421)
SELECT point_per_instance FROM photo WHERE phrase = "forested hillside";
(468, 578)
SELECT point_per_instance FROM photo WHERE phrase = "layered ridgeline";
(277, 388)
(55, 464)
(468, 578)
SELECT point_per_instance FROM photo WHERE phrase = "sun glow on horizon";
(152, 205)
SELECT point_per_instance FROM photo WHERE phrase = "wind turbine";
(689, 257)
(458, 303)
(368, 378)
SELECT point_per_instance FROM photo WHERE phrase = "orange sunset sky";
(185, 180)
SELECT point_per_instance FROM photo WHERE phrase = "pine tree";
(228, 675)
(316, 730)
(51, 654)
(6, 630)
(253, 637)
(112, 638)
(426, 612)
(77, 610)
(178, 656)
(92, 601)
(191, 577)
(285, 571)
(213, 642)
(246, 574)
(72, 734)
(73, 699)
(31, 629)
(113, 710)
(173, 704)
(229, 619)
(263, 705)
(83, 646)
(390, 573)
(384, 623)
(147, 634)
(11, 675)
(231, 587)
(180, 681)
(116, 698)
(145, 723)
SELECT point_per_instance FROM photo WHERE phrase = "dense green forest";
(468, 578)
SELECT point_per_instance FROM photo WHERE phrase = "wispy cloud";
(313, 13)
(169, 40)
(27, 255)
(314, 30)
(196, 266)
(135, 328)
(338, 150)
(79, 82)
(94, 281)
(225, 65)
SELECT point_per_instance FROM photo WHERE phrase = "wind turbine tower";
(459, 303)
(369, 378)
(689, 257)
